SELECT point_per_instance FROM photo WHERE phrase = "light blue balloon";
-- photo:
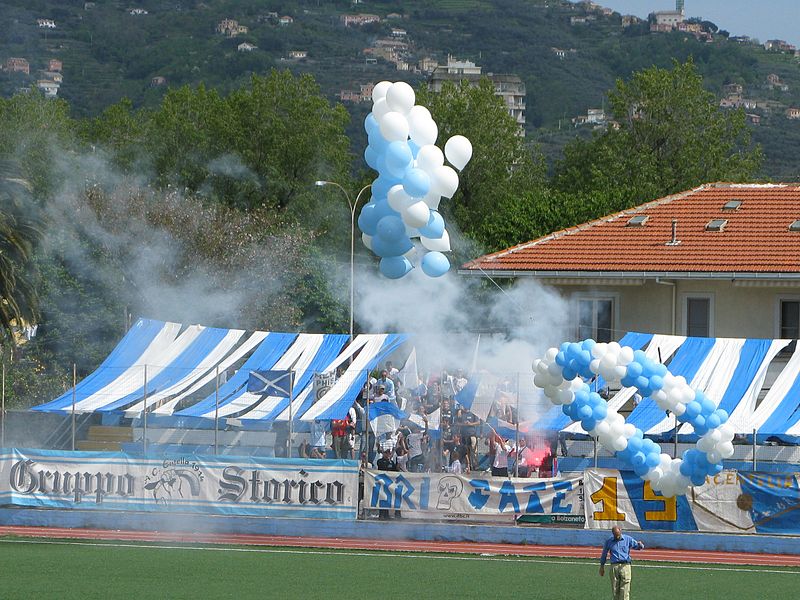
(381, 187)
(416, 182)
(435, 264)
(371, 158)
(391, 229)
(398, 158)
(371, 125)
(377, 141)
(385, 248)
(434, 229)
(382, 209)
(394, 267)
(367, 219)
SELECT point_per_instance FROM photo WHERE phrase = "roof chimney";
(674, 241)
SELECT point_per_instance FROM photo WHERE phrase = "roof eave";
(540, 274)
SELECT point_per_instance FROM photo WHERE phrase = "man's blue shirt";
(620, 549)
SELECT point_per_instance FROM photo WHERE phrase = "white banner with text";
(269, 487)
(445, 496)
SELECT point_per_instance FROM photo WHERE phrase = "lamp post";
(353, 205)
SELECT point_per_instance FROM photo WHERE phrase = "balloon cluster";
(412, 179)
(561, 375)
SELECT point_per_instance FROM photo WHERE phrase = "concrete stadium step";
(94, 445)
(105, 433)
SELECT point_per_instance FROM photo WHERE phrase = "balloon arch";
(562, 374)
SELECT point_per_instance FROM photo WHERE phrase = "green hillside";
(109, 53)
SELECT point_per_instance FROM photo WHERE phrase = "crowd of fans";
(462, 442)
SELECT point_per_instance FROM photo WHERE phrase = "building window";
(790, 319)
(698, 317)
(596, 319)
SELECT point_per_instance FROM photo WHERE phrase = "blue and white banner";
(445, 496)
(269, 487)
(730, 502)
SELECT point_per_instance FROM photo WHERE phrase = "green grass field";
(66, 569)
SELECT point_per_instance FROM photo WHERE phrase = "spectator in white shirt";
(500, 449)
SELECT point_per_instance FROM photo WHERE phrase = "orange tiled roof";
(756, 238)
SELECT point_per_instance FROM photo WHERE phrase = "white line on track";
(587, 562)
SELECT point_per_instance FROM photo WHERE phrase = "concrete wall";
(737, 310)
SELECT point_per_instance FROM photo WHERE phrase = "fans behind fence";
(438, 435)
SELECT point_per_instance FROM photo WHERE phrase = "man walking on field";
(619, 546)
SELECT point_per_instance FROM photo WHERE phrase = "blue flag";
(271, 383)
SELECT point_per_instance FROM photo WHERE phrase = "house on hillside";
(298, 54)
(18, 65)
(245, 47)
(718, 260)
(49, 88)
(359, 20)
(509, 87)
(46, 23)
(55, 65)
(230, 28)
(793, 113)
(158, 81)
(53, 76)
(779, 46)
(774, 83)
(285, 20)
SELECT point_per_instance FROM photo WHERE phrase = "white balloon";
(441, 244)
(551, 354)
(419, 113)
(394, 127)
(422, 131)
(625, 353)
(380, 89)
(379, 109)
(416, 214)
(725, 449)
(619, 444)
(399, 200)
(458, 151)
(429, 158)
(603, 428)
(432, 200)
(445, 181)
(367, 239)
(400, 97)
(566, 397)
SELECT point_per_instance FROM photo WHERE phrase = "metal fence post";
(675, 441)
(144, 415)
(216, 410)
(516, 433)
(74, 385)
(755, 448)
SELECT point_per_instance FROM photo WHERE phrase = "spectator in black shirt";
(385, 463)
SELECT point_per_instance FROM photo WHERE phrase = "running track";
(685, 556)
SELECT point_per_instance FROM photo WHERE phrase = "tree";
(500, 185)
(669, 135)
(289, 135)
(19, 234)
(36, 133)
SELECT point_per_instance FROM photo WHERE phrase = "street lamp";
(353, 206)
